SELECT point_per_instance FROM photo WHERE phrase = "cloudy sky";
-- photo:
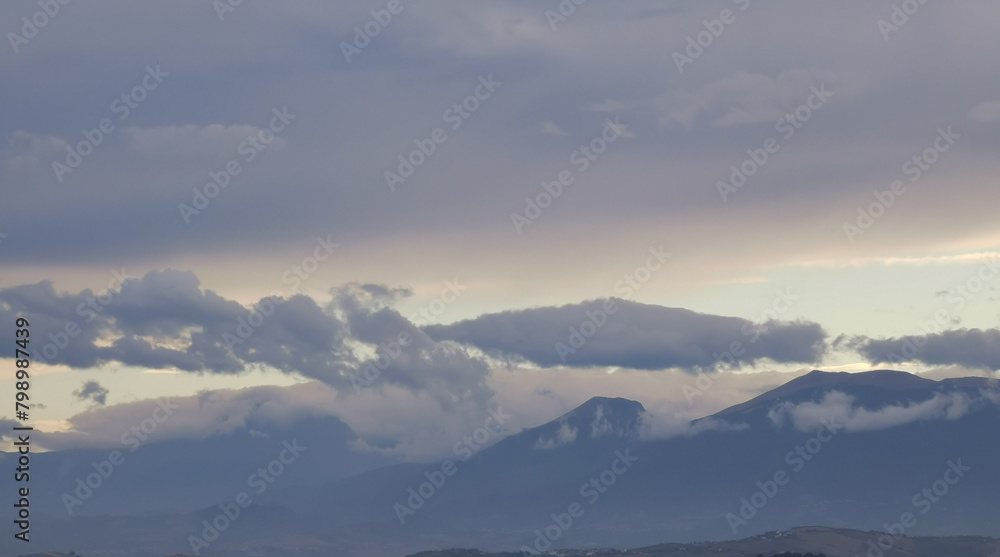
(543, 201)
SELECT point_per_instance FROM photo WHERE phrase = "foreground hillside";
(831, 542)
(812, 541)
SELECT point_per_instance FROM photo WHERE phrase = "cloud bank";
(634, 335)
(166, 320)
(972, 348)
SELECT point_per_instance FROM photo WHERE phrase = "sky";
(475, 187)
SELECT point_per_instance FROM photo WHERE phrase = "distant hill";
(797, 542)
(182, 475)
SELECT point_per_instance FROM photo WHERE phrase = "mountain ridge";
(677, 488)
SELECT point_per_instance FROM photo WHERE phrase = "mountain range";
(875, 451)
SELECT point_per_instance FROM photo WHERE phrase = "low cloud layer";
(665, 425)
(638, 336)
(840, 408)
(198, 416)
(565, 435)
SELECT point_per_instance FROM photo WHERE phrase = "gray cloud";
(166, 320)
(332, 159)
(92, 390)
(972, 348)
(639, 336)
(445, 370)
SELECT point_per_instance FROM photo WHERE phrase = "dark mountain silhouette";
(183, 475)
(891, 437)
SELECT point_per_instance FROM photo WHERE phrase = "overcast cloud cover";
(245, 170)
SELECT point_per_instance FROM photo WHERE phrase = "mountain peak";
(874, 389)
(598, 417)
(885, 378)
(615, 403)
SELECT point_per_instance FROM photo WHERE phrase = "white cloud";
(26, 149)
(601, 426)
(840, 408)
(747, 98)
(610, 105)
(959, 258)
(564, 436)
(551, 128)
(189, 140)
(988, 111)
(479, 30)
(664, 425)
